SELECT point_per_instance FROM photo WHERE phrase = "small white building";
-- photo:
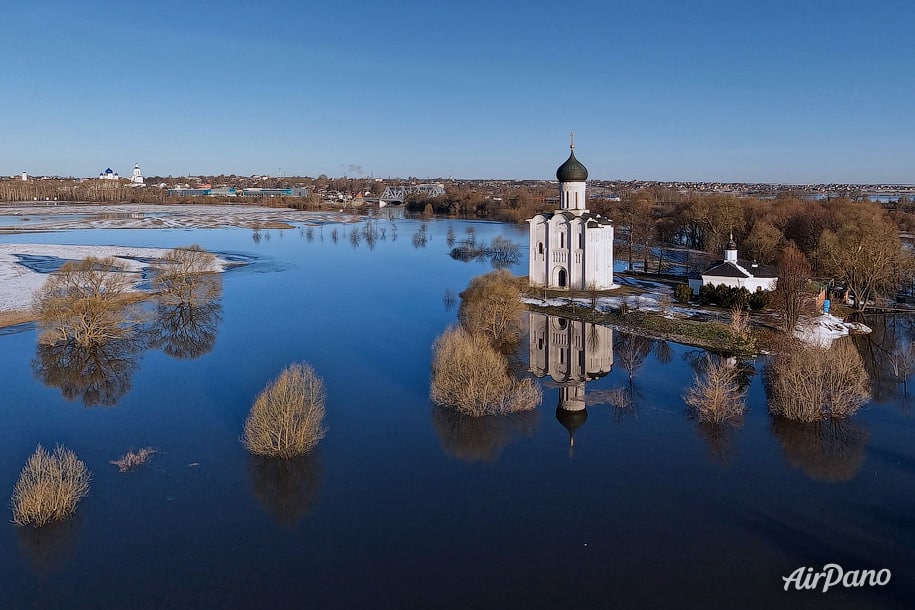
(571, 248)
(25, 176)
(137, 178)
(735, 273)
(108, 174)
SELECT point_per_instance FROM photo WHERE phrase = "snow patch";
(18, 283)
(824, 329)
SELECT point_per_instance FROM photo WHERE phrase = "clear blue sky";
(731, 90)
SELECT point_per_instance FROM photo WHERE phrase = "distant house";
(735, 273)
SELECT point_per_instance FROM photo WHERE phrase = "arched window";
(540, 248)
(562, 239)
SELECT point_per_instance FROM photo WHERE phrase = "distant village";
(370, 190)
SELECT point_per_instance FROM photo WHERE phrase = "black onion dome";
(572, 170)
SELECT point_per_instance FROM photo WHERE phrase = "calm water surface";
(404, 505)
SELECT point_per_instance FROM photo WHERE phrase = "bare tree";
(187, 276)
(287, 418)
(472, 377)
(716, 396)
(791, 294)
(491, 306)
(809, 383)
(863, 251)
(86, 302)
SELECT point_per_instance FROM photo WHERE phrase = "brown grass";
(470, 376)
(133, 459)
(286, 419)
(715, 396)
(49, 487)
(12, 318)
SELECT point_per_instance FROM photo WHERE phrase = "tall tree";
(794, 275)
(863, 251)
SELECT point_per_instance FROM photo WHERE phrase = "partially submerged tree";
(491, 306)
(86, 302)
(471, 376)
(716, 396)
(810, 383)
(287, 418)
(49, 487)
(187, 276)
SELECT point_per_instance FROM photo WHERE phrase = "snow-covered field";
(50, 217)
(18, 283)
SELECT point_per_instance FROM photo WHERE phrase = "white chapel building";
(137, 178)
(571, 248)
(735, 273)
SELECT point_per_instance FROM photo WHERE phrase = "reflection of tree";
(188, 311)
(183, 331)
(887, 353)
(827, 450)
(663, 352)
(621, 399)
(287, 489)
(49, 546)
(631, 352)
(718, 437)
(421, 236)
(98, 374)
(480, 438)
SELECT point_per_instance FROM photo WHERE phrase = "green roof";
(572, 170)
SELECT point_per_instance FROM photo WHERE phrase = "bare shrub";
(187, 276)
(491, 306)
(715, 396)
(134, 459)
(739, 323)
(86, 302)
(287, 417)
(470, 376)
(809, 383)
(49, 487)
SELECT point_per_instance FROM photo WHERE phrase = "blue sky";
(703, 90)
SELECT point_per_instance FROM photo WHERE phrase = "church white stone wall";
(571, 248)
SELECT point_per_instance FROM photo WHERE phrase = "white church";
(571, 248)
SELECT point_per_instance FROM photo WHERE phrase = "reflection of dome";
(571, 421)
(572, 170)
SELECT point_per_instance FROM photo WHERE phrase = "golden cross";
(572, 139)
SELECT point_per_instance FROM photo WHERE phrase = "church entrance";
(561, 278)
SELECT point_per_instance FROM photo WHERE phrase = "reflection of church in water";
(571, 353)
